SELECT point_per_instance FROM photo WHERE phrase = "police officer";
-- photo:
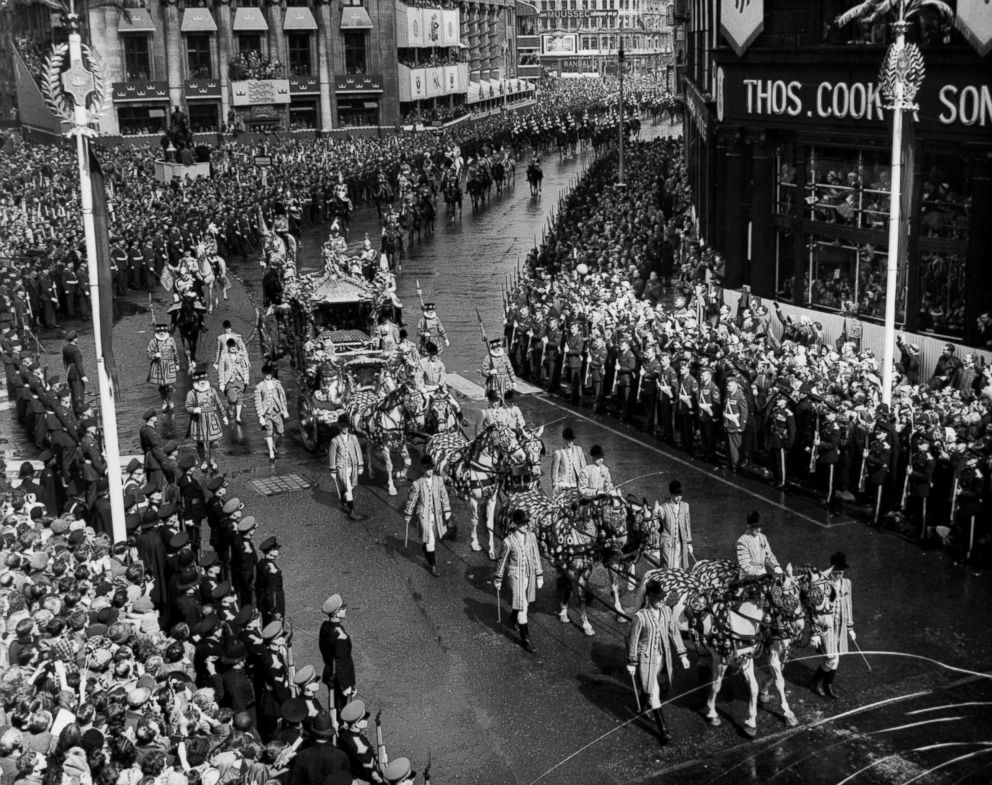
(353, 742)
(781, 437)
(335, 649)
(270, 598)
(626, 365)
(574, 346)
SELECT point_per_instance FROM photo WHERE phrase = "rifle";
(813, 453)
(420, 296)
(290, 659)
(380, 748)
(954, 501)
(909, 464)
(864, 466)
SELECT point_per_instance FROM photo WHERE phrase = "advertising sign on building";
(741, 21)
(560, 44)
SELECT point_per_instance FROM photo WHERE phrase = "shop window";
(785, 183)
(250, 42)
(354, 52)
(137, 58)
(204, 118)
(134, 120)
(942, 294)
(945, 199)
(357, 112)
(199, 63)
(785, 264)
(302, 116)
(848, 187)
(299, 54)
(842, 276)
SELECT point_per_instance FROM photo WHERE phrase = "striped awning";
(355, 17)
(250, 20)
(299, 17)
(198, 20)
(135, 20)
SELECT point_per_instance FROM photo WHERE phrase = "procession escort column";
(224, 55)
(173, 53)
(324, 64)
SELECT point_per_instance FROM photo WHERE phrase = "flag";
(102, 262)
(842, 338)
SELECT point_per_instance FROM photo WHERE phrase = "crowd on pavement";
(622, 309)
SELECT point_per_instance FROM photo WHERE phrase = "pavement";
(453, 682)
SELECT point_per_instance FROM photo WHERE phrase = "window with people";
(199, 61)
(137, 58)
(846, 186)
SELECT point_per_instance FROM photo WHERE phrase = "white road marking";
(709, 475)
(470, 390)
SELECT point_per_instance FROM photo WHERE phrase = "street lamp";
(901, 76)
(77, 95)
(620, 61)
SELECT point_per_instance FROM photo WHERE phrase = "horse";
(453, 197)
(476, 190)
(480, 469)
(383, 194)
(498, 173)
(510, 171)
(392, 247)
(189, 323)
(739, 622)
(340, 210)
(426, 212)
(575, 535)
(441, 415)
(380, 419)
(534, 177)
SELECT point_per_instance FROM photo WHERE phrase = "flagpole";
(108, 408)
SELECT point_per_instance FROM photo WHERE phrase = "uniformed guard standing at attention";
(72, 360)
(567, 463)
(520, 561)
(335, 649)
(781, 437)
(430, 330)
(574, 347)
(346, 463)
(626, 366)
(597, 367)
(269, 597)
(649, 654)
(353, 743)
(428, 500)
(163, 358)
(496, 369)
(833, 629)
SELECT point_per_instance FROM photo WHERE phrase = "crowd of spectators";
(251, 65)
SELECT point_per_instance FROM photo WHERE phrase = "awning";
(249, 20)
(355, 17)
(198, 20)
(299, 17)
(135, 20)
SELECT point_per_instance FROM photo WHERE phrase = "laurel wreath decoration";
(59, 102)
(906, 67)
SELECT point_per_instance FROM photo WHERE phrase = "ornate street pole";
(900, 78)
(620, 61)
(77, 95)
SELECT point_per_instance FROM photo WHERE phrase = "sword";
(862, 655)
(637, 695)
(499, 608)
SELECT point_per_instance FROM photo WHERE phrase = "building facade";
(788, 147)
(305, 65)
(581, 37)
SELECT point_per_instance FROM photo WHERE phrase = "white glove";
(196, 410)
(632, 670)
(853, 636)
(684, 659)
(778, 571)
(540, 583)
(689, 548)
(447, 342)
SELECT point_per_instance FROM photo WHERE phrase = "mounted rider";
(754, 555)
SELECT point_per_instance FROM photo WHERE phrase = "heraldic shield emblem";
(974, 20)
(741, 21)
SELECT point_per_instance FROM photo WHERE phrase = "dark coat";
(321, 764)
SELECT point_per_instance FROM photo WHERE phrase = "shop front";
(814, 142)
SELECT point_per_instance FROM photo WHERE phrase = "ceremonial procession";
(670, 463)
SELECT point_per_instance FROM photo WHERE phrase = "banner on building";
(450, 27)
(974, 20)
(260, 91)
(435, 82)
(418, 83)
(741, 21)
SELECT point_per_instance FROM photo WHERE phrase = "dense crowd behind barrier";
(622, 309)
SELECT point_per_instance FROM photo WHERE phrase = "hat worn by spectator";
(295, 710)
(333, 604)
(148, 414)
(187, 461)
(138, 697)
(234, 652)
(27, 470)
(133, 465)
(323, 727)
(209, 624)
(188, 579)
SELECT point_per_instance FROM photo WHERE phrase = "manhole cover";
(283, 483)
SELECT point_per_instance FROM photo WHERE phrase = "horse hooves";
(714, 722)
(588, 630)
(563, 618)
(622, 619)
(751, 731)
(392, 490)
(791, 721)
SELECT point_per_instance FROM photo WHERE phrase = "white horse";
(479, 469)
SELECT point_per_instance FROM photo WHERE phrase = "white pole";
(895, 198)
(108, 409)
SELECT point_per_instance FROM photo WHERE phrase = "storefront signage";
(140, 92)
(202, 89)
(252, 92)
(949, 100)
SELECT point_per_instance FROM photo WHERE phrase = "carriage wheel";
(309, 426)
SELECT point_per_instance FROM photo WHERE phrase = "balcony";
(419, 83)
